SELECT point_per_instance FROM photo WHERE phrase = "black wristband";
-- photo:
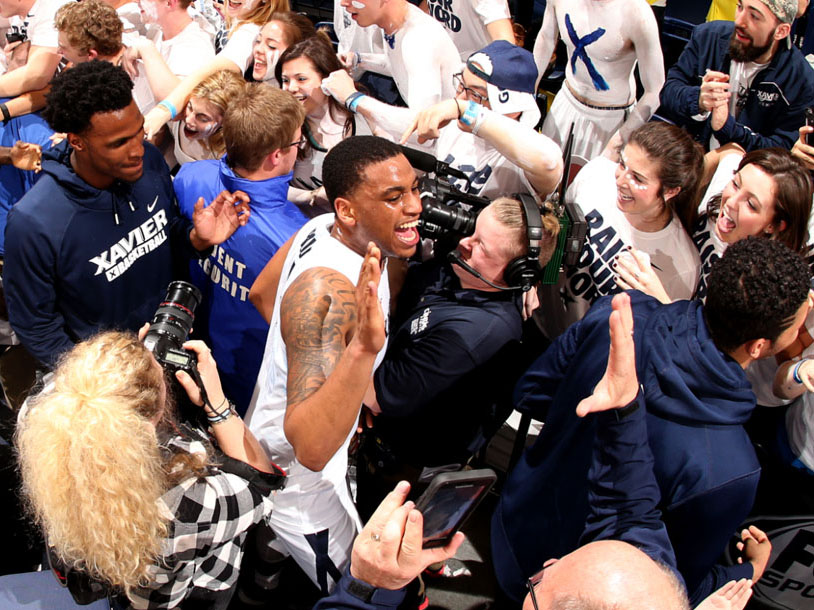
(631, 408)
(6, 113)
(361, 590)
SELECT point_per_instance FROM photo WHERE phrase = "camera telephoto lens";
(173, 319)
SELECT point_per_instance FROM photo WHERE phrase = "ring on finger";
(376, 537)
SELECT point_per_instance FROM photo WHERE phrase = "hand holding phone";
(387, 553)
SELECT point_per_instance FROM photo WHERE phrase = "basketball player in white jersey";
(317, 364)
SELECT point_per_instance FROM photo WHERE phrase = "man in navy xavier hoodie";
(690, 359)
(91, 245)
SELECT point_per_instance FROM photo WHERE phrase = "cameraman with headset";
(486, 132)
(449, 357)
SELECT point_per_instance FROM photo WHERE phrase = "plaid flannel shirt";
(209, 519)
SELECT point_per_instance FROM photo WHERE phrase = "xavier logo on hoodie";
(145, 238)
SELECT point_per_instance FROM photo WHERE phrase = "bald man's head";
(605, 575)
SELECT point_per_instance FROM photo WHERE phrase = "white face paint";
(202, 119)
(268, 46)
(357, 4)
(630, 180)
(271, 63)
(150, 10)
(637, 184)
(638, 187)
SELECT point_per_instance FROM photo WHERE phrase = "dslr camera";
(170, 328)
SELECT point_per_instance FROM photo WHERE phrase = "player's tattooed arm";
(318, 314)
(329, 363)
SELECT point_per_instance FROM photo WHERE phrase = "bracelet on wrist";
(795, 372)
(479, 121)
(6, 113)
(352, 100)
(216, 411)
(471, 114)
(170, 107)
(222, 416)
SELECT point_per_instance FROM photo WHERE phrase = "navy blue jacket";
(697, 399)
(775, 104)
(79, 259)
(441, 376)
(624, 500)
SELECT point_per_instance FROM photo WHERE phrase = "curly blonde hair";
(91, 464)
(219, 89)
(90, 25)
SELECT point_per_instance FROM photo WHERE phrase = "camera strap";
(196, 376)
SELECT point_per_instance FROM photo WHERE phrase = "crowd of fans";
(341, 336)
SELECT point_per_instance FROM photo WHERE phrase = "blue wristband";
(169, 106)
(795, 372)
(353, 101)
(471, 114)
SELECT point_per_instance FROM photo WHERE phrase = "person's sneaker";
(453, 568)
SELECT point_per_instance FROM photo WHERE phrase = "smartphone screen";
(448, 508)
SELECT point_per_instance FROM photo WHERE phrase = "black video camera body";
(447, 213)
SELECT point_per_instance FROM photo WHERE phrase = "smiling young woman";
(301, 70)
(644, 203)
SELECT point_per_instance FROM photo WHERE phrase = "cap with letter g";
(510, 75)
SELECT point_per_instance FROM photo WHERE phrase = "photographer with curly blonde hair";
(126, 494)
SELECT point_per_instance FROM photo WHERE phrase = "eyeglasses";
(458, 83)
(533, 582)
(303, 139)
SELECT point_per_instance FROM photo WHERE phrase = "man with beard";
(741, 82)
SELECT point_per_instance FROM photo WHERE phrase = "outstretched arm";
(379, 116)
(537, 155)
(546, 40)
(623, 495)
(332, 332)
(161, 79)
(35, 74)
(159, 116)
(645, 38)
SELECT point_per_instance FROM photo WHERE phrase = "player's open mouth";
(408, 233)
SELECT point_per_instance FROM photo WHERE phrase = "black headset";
(523, 272)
